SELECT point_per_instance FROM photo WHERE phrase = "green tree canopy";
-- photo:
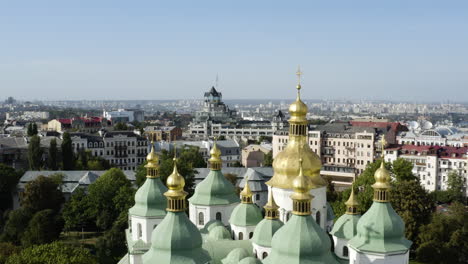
(403, 170)
(16, 224)
(42, 193)
(455, 186)
(52, 161)
(102, 194)
(77, 212)
(120, 126)
(109, 247)
(9, 177)
(35, 153)
(44, 227)
(268, 159)
(67, 152)
(53, 253)
(6, 250)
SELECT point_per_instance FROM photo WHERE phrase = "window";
(140, 232)
(218, 216)
(250, 235)
(201, 219)
(264, 255)
(241, 236)
(317, 218)
(345, 251)
(257, 197)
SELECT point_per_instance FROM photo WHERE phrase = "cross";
(299, 74)
(383, 142)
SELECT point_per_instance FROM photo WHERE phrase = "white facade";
(319, 204)
(202, 214)
(356, 257)
(242, 232)
(261, 252)
(341, 248)
(142, 227)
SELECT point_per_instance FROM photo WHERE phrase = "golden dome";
(301, 196)
(352, 201)
(175, 182)
(298, 110)
(152, 157)
(246, 194)
(382, 177)
(215, 152)
(215, 159)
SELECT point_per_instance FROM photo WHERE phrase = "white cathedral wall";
(136, 259)
(261, 252)
(247, 232)
(142, 227)
(339, 244)
(209, 213)
(356, 257)
(319, 203)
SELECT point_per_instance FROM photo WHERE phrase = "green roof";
(219, 233)
(246, 214)
(215, 189)
(150, 200)
(250, 260)
(236, 255)
(176, 240)
(220, 249)
(265, 230)
(380, 230)
(346, 226)
(301, 241)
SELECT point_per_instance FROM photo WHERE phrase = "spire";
(152, 167)
(271, 208)
(176, 194)
(352, 203)
(301, 196)
(215, 160)
(382, 179)
(246, 194)
(298, 87)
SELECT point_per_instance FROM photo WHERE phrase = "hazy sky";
(400, 50)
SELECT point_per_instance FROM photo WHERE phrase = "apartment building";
(432, 164)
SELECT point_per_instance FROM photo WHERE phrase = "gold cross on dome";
(299, 74)
(383, 142)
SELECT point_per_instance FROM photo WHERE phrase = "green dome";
(176, 240)
(380, 230)
(150, 200)
(265, 230)
(302, 241)
(212, 224)
(219, 233)
(215, 189)
(250, 260)
(235, 256)
(346, 226)
(246, 214)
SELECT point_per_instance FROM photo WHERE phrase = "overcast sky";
(397, 50)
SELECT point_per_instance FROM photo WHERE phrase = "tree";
(44, 227)
(35, 153)
(403, 170)
(42, 193)
(76, 212)
(30, 130)
(53, 253)
(52, 158)
(441, 197)
(101, 195)
(455, 186)
(140, 174)
(109, 247)
(34, 129)
(67, 152)
(15, 225)
(445, 239)
(6, 250)
(8, 180)
(268, 159)
(414, 204)
(120, 126)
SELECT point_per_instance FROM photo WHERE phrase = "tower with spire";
(301, 239)
(265, 230)
(215, 197)
(245, 216)
(286, 168)
(176, 239)
(345, 227)
(148, 211)
(380, 231)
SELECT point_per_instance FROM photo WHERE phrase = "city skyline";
(398, 51)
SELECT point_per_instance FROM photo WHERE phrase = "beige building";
(254, 155)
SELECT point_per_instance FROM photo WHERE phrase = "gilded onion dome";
(285, 164)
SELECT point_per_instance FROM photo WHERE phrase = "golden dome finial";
(215, 159)
(246, 194)
(176, 194)
(298, 74)
(382, 179)
(352, 202)
(383, 143)
(152, 167)
(301, 196)
(271, 208)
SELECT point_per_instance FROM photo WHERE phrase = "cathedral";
(221, 227)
